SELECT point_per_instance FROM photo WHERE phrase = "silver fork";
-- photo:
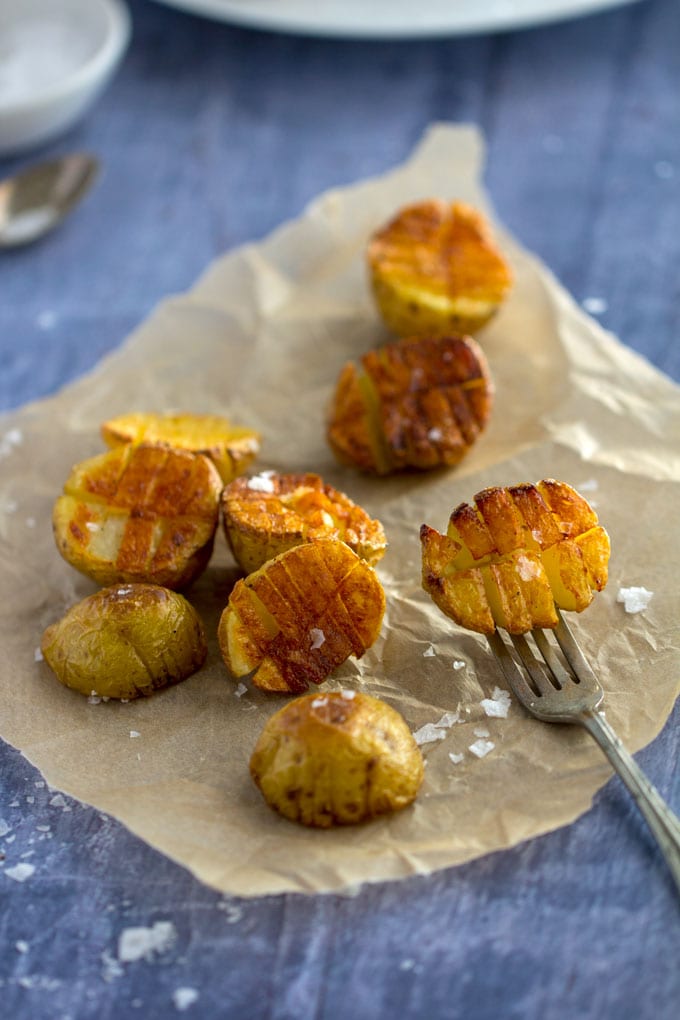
(568, 691)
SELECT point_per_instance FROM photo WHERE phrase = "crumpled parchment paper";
(262, 338)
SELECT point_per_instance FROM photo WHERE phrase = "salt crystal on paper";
(448, 720)
(317, 637)
(37, 655)
(11, 439)
(137, 943)
(456, 758)
(481, 731)
(262, 482)
(94, 698)
(429, 652)
(498, 705)
(134, 733)
(20, 872)
(481, 747)
(595, 305)
(458, 664)
(240, 691)
(428, 733)
(635, 600)
(184, 997)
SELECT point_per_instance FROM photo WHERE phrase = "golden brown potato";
(512, 557)
(301, 615)
(435, 269)
(126, 641)
(265, 515)
(139, 513)
(336, 759)
(231, 448)
(417, 403)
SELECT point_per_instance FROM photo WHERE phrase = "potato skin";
(126, 641)
(514, 555)
(139, 513)
(301, 615)
(271, 513)
(435, 269)
(336, 759)
(419, 403)
(231, 448)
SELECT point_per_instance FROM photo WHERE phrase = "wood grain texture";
(212, 136)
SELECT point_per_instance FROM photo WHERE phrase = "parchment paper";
(262, 338)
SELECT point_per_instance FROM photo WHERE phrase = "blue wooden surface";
(212, 136)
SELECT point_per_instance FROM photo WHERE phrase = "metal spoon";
(37, 199)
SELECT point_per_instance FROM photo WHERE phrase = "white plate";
(392, 18)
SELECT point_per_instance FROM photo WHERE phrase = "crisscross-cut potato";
(231, 448)
(265, 515)
(126, 641)
(416, 403)
(435, 269)
(512, 556)
(336, 759)
(139, 513)
(301, 615)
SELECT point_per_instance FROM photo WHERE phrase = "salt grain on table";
(429, 652)
(240, 691)
(456, 758)
(428, 733)
(137, 943)
(20, 872)
(458, 664)
(184, 997)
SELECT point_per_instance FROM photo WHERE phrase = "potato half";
(514, 555)
(265, 515)
(417, 403)
(336, 759)
(126, 641)
(231, 448)
(302, 614)
(435, 269)
(139, 513)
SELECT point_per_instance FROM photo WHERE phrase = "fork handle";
(663, 824)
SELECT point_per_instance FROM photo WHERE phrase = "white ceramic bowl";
(56, 56)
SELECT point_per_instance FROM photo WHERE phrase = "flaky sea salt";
(527, 568)
(429, 652)
(262, 482)
(434, 435)
(240, 691)
(317, 638)
(498, 705)
(458, 664)
(595, 305)
(428, 733)
(20, 872)
(319, 702)
(481, 731)
(134, 733)
(348, 695)
(137, 943)
(37, 655)
(448, 720)
(456, 758)
(635, 600)
(92, 526)
(184, 997)
(481, 747)
(93, 698)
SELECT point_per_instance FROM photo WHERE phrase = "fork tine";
(560, 675)
(510, 669)
(532, 665)
(572, 652)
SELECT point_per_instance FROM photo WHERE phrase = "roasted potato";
(512, 557)
(265, 515)
(301, 615)
(139, 513)
(435, 269)
(231, 448)
(417, 403)
(126, 641)
(336, 759)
